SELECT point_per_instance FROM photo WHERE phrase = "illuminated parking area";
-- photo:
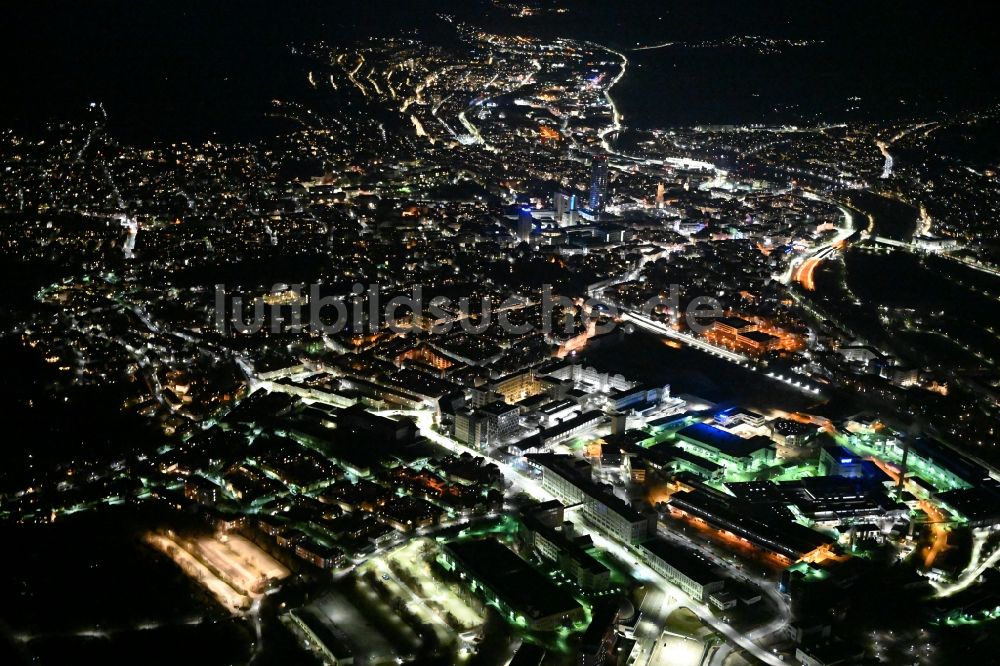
(407, 573)
(676, 651)
(257, 558)
(241, 563)
(230, 567)
(412, 559)
(233, 600)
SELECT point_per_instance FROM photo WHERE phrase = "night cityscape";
(500, 332)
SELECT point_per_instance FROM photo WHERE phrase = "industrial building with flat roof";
(724, 447)
(758, 525)
(522, 593)
(571, 428)
(946, 468)
(685, 568)
(979, 506)
(826, 500)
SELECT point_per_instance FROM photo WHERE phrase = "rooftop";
(704, 434)
(521, 586)
(689, 563)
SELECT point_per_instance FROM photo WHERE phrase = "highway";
(616, 116)
(802, 270)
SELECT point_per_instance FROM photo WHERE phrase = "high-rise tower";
(525, 223)
(565, 204)
(598, 183)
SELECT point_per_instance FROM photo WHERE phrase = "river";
(648, 358)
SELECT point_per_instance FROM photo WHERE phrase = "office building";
(571, 427)
(501, 419)
(544, 530)
(838, 461)
(557, 411)
(637, 397)
(486, 426)
(470, 429)
(742, 336)
(359, 422)
(517, 386)
(565, 204)
(734, 417)
(569, 480)
(525, 223)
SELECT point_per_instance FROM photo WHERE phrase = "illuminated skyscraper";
(598, 183)
(565, 205)
(525, 223)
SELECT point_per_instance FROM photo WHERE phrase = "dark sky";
(194, 67)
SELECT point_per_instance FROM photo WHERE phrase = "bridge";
(660, 328)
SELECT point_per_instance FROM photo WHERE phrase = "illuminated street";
(500, 333)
